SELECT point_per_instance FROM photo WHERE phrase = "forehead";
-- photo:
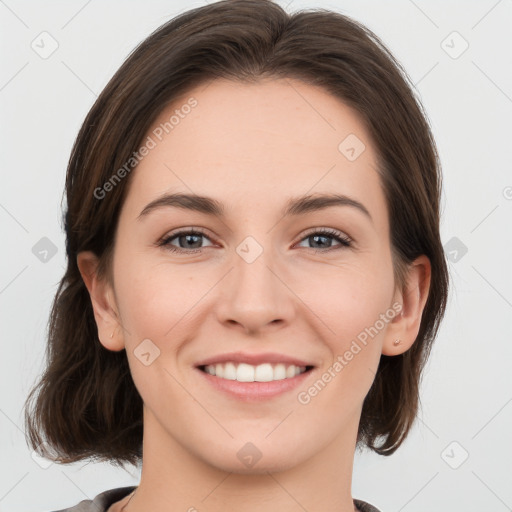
(254, 143)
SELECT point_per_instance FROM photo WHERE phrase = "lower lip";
(254, 391)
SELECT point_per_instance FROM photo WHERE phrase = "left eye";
(186, 237)
(193, 237)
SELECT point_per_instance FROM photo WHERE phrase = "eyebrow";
(294, 206)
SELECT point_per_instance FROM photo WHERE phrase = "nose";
(254, 297)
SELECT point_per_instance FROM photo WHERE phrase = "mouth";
(253, 378)
(243, 372)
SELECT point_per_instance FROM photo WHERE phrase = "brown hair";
(88, 405)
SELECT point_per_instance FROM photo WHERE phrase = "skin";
(252, 147)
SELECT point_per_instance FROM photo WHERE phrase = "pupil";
(189, 238)
(316, 237)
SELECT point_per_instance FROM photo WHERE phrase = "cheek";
(349, 298)
(148, 293)
(351, 306)
(153, 299)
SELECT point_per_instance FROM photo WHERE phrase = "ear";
(406, 325)
(110, 332)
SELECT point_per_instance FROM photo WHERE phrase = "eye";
(322, 236)
(189, 241)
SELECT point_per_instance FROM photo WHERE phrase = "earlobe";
(103, 303)
(406, 325)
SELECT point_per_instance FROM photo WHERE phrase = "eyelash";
(345, 242)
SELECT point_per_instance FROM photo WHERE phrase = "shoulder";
(105, 499)
(101, 502)
(363, 506)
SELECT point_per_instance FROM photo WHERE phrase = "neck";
(175, 478)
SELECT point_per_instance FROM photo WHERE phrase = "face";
(253, 283)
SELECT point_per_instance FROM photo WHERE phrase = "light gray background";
(466, 392)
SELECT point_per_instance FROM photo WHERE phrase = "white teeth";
(279, 371)
(243, 372)
(264, 373)
(229, 371)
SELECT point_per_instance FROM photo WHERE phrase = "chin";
(246, 457)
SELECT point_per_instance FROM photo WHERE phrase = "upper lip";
(253, 359)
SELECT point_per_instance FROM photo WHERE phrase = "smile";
(249, 383)
(243, 372)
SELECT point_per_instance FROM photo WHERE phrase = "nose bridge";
(255, 296)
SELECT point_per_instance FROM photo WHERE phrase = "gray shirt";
(107, 498)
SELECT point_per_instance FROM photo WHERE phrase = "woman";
(255, 273)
